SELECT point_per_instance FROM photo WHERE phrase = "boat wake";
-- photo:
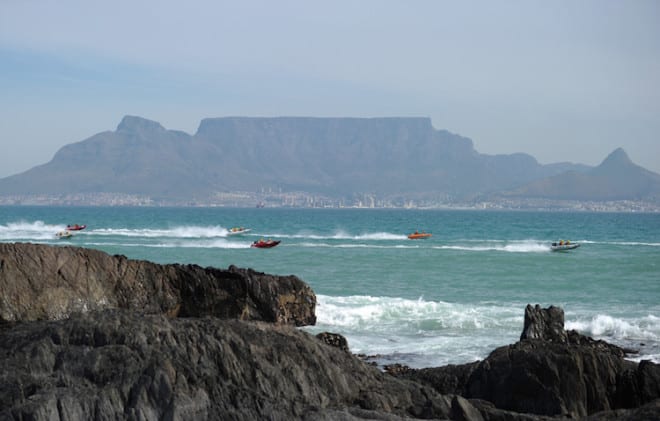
(22, 230)
(622, 243)
(341, 235)
(526, 246)
(174, 232)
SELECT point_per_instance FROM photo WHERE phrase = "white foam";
(23, 230)
(423, 333)
(430, 330)
(378, 236)
(221, 244)
(341, 235)
(525, 246)
(603, 326)
(175, 232)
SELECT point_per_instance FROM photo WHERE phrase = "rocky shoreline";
(86, 335)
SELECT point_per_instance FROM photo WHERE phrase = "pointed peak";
(134, 123)
(616, 162)
(619, 156)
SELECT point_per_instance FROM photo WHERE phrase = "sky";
(564, 81)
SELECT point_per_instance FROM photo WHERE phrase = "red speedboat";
(418, 235)
(265, 244)
(75, 227)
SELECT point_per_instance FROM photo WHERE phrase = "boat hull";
(564, 247)
(238, 232)
(419, 236)
(264, 244)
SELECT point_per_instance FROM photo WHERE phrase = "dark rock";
(334, 339)
(545, 324)
(549, 373)
(461, 409)
(548, 379)
(41, 282)
(121, 365)
(489, 412)
(140, 363)
(648, 412)
(449, 379)
(395, 369)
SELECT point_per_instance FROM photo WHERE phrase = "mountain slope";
(616, 178)
(337, 157)
(139, 157)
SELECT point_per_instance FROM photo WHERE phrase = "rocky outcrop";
(122, 365)
(544, 324)
(41, 282)
(550, 372)
(92, 336)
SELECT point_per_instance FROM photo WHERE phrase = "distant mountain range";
(396, 159)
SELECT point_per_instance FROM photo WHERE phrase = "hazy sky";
(560, 80)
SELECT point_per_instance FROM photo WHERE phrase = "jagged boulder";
(544, 323)
(42, 282)
(117, 364)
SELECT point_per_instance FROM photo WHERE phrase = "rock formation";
(85, 335)
(122, 365)
(550, 372)
(545, 324)
(40, 282)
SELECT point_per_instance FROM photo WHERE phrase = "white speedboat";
(561, 246)
(237, 231)
(64, 234)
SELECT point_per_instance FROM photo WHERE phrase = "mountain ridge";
(616, 178)
(395, 158)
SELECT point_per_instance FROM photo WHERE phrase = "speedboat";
(419, 235)
(265, 244)
(64, 234)
(564, 245)
(237, 230)
(75, 227)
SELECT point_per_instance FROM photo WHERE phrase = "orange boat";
(418, 235)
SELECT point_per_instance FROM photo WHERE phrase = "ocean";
(448, 299)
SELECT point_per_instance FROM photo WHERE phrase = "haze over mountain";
(393, 158)
(616, 178)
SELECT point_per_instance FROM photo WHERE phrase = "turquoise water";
(451, 298)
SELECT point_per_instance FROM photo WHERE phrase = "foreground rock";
(121, 365)
(552, 372)
(115, 351)
(41, 282)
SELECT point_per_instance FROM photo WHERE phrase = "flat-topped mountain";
(394, 158)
